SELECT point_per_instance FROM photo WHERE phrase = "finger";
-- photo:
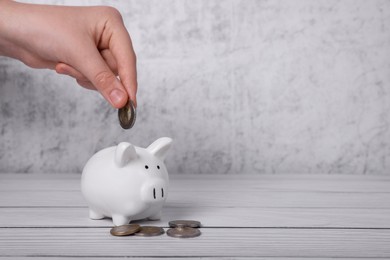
(86, 84)
(110, 60)
(65, 69)
(122, 50)
(91, 64)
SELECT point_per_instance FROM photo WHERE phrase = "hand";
(90, 44)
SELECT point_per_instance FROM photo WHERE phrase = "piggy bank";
(126, 182)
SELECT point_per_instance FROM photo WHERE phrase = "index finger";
(121, 47)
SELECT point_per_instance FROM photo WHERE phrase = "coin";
(127, 115)
(184, 223)
(183, 232)
(150, 231)
(125, 230)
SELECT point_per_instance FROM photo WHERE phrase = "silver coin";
(125, 230)
(184, 223)
(127, 115)
(150, 231)
(183, 232)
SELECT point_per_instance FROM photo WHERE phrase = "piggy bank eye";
(158, 167)
(146, 167)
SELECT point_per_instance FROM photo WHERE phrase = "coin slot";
(162, 192)
(146, 167)
(154, 193)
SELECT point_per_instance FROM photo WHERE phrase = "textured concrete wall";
(243, 86)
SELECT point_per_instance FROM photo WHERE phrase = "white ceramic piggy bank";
(126, 182)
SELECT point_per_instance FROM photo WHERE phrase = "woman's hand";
(90, 44)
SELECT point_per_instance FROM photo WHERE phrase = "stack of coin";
(150, 231)
(179, 229)
(184, 228)
(125, 230)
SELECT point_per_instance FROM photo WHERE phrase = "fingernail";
(117, 97)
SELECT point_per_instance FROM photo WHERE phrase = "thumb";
(100, 75)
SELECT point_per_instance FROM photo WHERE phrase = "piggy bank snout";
(154, 191)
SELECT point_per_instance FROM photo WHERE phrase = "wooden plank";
(246, 176)
(214, 242)
(65, 191)
(209, 216)
(192, 257)
(233, 198)
(189, 257)
(39, 198)
(332, 183)
(279, 184)
(289, 176)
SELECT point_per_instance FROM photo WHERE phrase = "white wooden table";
(244, 216)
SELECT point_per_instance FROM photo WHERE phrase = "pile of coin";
(125, 230)
(179, 229)
(184, 228)
(150, 231)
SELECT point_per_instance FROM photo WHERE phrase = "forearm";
(13, 29)
(5, 37)
(26, 33)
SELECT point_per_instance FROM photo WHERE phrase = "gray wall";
(243, 87)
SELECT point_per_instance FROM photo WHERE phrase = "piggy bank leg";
(93, 214)
(120, 220)
(156, 216)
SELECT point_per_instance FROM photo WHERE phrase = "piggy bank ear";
(124, 153)
(160, 147)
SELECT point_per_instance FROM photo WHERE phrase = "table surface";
(44, 216)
